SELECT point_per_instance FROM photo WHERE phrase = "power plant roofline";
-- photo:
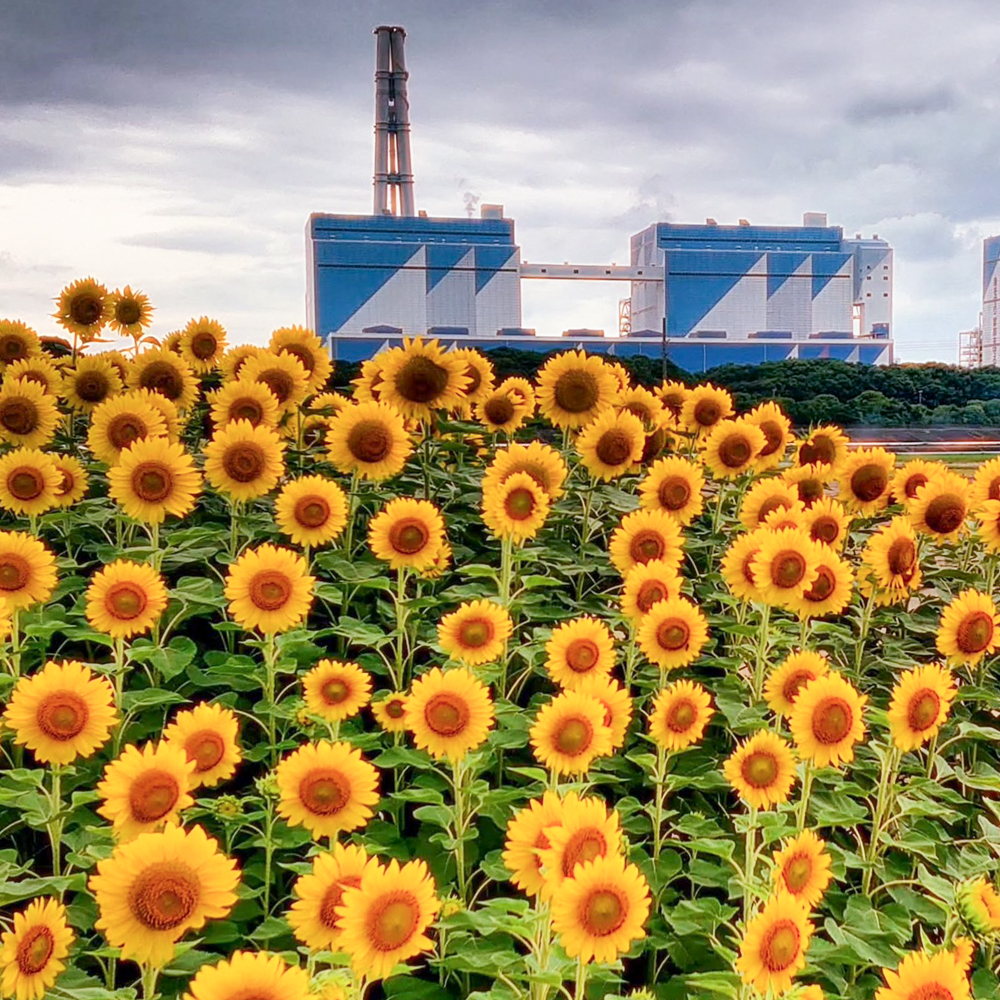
(393, 167)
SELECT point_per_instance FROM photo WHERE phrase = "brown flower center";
(15, 573)
(162, 377)
(13, 347)
(780, 946)
(681, 716)
(279, 382)
(86, 309)
(825, 529)
(774, 437)
(409, 535)
(62, 715)
(673, 401)
(474, 633)
(574, 736)
(125, 428)
(153, 795)
(332, 898)
(311, 511)
(869, 482)
(369, 441)
(707, 412)
(603, 912)
(164, 895)
(18, 415)
(650, 592)
(975, 632)
(152, 482)
(25, 483)
(797, 872)
(760, 769)
(583, 845)
(673, 492)
(735, 451)
(825, 585)
(246, 408)
(794, 684)
(67, 481)
(673, 634)
(206, 748)
(335, 691)
(270, 589)
(244, 462)
(945, 513)
(810, 490)
(901, 557)
(747, 571)
(832, 721)
(91, 386)
(922, 711)
(128, 311)
(788, 569)
(324, 791)
(818, 450)
(519, 504)
(646, 545)
(395, 708)
(576, 391)
(34, 950)
(421, 380)
(447, 714)
(913, 483)
(302, 354)
(392, 921)
(499, 410)
(614, 447)
(582, 655)
(125, 600)
(204, 345)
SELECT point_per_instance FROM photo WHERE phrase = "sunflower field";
(563, 688)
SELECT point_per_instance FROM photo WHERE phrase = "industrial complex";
(700, 295)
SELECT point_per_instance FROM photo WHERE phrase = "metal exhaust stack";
(393, 170)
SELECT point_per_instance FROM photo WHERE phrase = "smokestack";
(393, 169)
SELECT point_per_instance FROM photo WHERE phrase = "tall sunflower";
(789, 677)
(577, 649)
(269, 589)
(825, 446)
(479, 371)
(988, 528)
(809, 482)
(774, 944)
(131, 312)
(501, 412)
(27, 570)
(865, 479)
(986, 482)
(827, 720)
(154, 478)
(209, 736)
(516, 508)
(978, 904)
(675, 485)
(201, 344)
(645, 585)
(326, 787)
(125, 598)
(673, 396)
(616, 701)
(17, 342)
(703, 407)
(679, 715)
(62, 712)
(921, 701)
(244, 400)
(143, 789)
(165, 373)
(32, 951)
(762, 770)
(573, 388)
(644, 535)
(335, 691)
(611, 444)
(731, 447)
(39, 370)
(303, 344)
(28, 414)
(271, 978)
(244, 461)
(827, 522)
(231, 363)
(830, 592)
(156, 888)
(569, 733)
(72, 480)
(673, 633)
(969, 628)
(312, 510)
(476, 632)
(407, 533)
(941, 506)
(527, 836)
(802, 868)
(420, 377)
(449, 712)
(119, 422)
(737, 564)
(786, 566)
(540, 461)
(889, 561)
(29, 481)
(369, 439)
(910, 476)
(83, 309)
(777, 431)
(919, 976)
(765, 496)
(165, 407)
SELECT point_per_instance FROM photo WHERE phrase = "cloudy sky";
(180, 146)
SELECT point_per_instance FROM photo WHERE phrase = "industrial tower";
(393, 167)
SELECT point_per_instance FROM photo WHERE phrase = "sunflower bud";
(979, 905)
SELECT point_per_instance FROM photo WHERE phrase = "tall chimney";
(393, 170)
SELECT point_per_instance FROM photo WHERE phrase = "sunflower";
(910, 476)
(789, 677)
(269, 589)
(809, 482)
(645, 585)
(611, 444)
(978, 903)
(476, 633)
(792, 517)
(143, 789)
(243, 461)
(153, 478)
(674, 485)
(209, 737)
(369, 382)
(599, 912)
(201, 344)
(61, 712)
(827, 522)
(231, 363)
(390, 712)
(90, 382)
(29, 481)
(573, 388)
(28, 415)
(163, 372)
(83, 309)
(762, 770)
(774, 944)
(244, 400)
(737, 562)
(673, 395)
(786, 566)
(369, 439)
(17, 342)
(969, 628)
(679, 714)
(335, 690)
(569, 733)
(703, 407)
(131, 312)
(643, 404)
(889, 559)
(156, 888)
(303, 344)
(119, 422)
(865, 479)
(963, 951)
(941, 506)
(38, 370)
(527, 837)
(27, 570)
(313, 916)
(921, 701)
(72, 480)
(577, 649)
(826, 446)
(583, 829)
(449, 713)
(311, 430)
(165, 407)
(765, 496)
(988, 529)
(731, 447)
(540, 461)
(501, 412)
(32, 952)
(621, 373)
(383, 921)
(516, 508)
(831, 591)
(920, 976)
(673, 633)
(616, 701)
(479, 372)
(311, 511)
(777, 431)
(420, 378)
(327, 787)
(521, 389)
(125, 599)
(644, 535)
(271, 978)
(827, 719)
(802, 868)
(407, 533)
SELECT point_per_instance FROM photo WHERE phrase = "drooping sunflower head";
(573, 388)
(969, 628)
(731, 447)
(125, 599)
(516, 508)
(244, 461)
(32, 951)
(449, 712)
(476, 633)
(612, 444)
(209, 737)
(153, 478)
(645, 535)
(269, 589)
(202, 344)
(921, 701)
(370, 439)
(131, 312)
(673, 633)
(940, 506)
(680, 714)
(789, 677)
(774, 944)
(29, 481)
(569, 733)
(303, 344)
(420, 378)
(762, 770)
(802, 868)
(407, 533)
(311, 510)
(119, 422)
(826, 446)
(645, 585)
(979, 905)
(28, 414)
(827, 720)
(83, 309)
(865, 478)
(577, 648)
(18, 342)
(161, 371)
(335, 690)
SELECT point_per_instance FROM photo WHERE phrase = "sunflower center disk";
(673, 634)
(824, 586)
(576, 392)
(164, 895)
(760, 770)
(674, 493)
(244, 462)
(311, 511)
(409, 536)
(582, 655)
(788, 569)
(584, 845)
(499, 410)
(279, 382)
(152, 482)
(446, 714)
(795, 683)
(735, 451)
(913, 483)
(335, 691)
(302, 354)
(14, 572)
(206, 748)
(773, 437)
(746, 570)
(204, 345)
(34, 950)
(820, 451)
(647, 545)
(393, 922)
(13, 348)
(574, 736)
(332, 898)
(614, 447)
(832, 721)
(797, 872)
(85, 309)
(475, 633)
(164, 378)
(124, 429)
(869, 482)
(153, 795)
(520, 504)
(91, 387)
(369, 441)
(395, 709)
(475, 379)
(66, 482)
(945, 513)
(825, 529)
(974, 633)
(19, 416)
(922, 712)
(247, 409)
(324, 792)
(681, 717)
(651, 592)
(810, 490)
(420, 380)
(604, 912)
(901, 556)
(780, 946)
(62, 715)
(125, 601)
(270, 590)
(707, 412)
(26, 483)
(127, 312)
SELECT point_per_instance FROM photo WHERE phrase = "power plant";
(700, 295)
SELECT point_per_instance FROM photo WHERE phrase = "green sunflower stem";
(761, 660)
(235, 509)
(803, 809)
(880, 818)
(268, 851)
(399, 671)
(866, 621)
(119, 653)
(150, 974)
(580, 990)
(353, 499)
(541, 946)
(749, 863)
(154, 540)
(15, 642)
(660, 794)
(458, 776)
(270, 684)
(54, 826)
